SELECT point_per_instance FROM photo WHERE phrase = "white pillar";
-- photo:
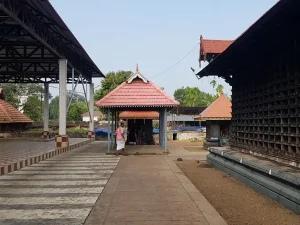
(62, 96)
(46, 107)
(91, 106)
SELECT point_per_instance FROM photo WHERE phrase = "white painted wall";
(87, 118)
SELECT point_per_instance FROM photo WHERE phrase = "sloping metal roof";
(33, 38)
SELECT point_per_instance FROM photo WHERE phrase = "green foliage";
(54, 108)
(193, 97)
(33, 105)
(77, 108)
(33, 108)
(112, 80)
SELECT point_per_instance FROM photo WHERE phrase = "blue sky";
(156, 34)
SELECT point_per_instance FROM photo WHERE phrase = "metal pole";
(85, 94)
(73, 75)
(72, 95)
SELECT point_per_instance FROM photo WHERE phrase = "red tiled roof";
(219, 109)
(139, 115)
(9, 114)
(137, 91)
(213, 46)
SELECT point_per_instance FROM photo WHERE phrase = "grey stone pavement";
(85, 186)
(12, 151)
(60, 190)
(151, 190)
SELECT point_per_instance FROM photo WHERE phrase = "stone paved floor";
(151, 190)
(60, 190)
(12, 151)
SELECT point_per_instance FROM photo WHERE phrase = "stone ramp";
(151, 190)
(60, 190)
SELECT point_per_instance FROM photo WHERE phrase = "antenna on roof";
(137, 67)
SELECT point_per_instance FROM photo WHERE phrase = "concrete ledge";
(282, 191)
(208, 211)
(274, 171)
(36, 159)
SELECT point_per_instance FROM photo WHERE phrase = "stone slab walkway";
(16, 154)
(151, 190)
(59, 191)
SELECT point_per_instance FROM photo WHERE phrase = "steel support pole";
(73, 76)
(46, 107)
(108, 134)
(62, 96)
(165, 130)
(91, 106)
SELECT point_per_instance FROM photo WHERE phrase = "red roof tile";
(9, 114)
(137, 91)
(139, 115)
(213, 46)
(219, 109)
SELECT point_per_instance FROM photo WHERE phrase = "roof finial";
(137, 67)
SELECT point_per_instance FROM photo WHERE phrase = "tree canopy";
(193, 97)
(77, 108)
(33, 106)
(112, 80)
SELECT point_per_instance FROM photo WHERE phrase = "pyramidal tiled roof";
(137, 91)
(220, 109)
(9, 114)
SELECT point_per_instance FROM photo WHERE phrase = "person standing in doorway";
(120, 138)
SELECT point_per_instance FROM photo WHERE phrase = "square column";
(108, 134)
(160, 128)
(165, 125)
(62, 139)
(46, 133)
(91, 133)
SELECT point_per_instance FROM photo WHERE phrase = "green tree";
(179, 95)
(112, 80)
(54, 108)
(33, 108)
(76, 109)
(213, 83)
(219, 89)
(193, 97)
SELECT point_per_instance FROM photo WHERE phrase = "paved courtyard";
(151, 190)
(12, 151)
(60, 190)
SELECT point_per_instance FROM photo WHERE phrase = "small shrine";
(11, 119)
(217, 117)
(139, 96)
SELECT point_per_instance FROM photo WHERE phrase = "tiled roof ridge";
(110, 93)
(162, 92)
(4, 110)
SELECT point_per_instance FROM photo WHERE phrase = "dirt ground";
(236, 203)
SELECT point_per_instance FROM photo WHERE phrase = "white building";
(97, 116)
